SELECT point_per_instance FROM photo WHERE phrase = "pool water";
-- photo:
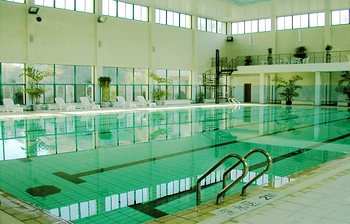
(133, 167)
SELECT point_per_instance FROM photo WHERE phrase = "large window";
(340, 17)
(212, 26)
(69, 82)
(76, 5)
(127, 82)
(173, 18)
(251, 26)
(12, 84)
(17, 1)
(179, 83)
(124, 10)
(301, 21)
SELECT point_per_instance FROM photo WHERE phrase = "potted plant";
(158, 93)
(289, 88)
(328, 48)
(300, 52)
(269, 56)
(344, 85)
(248, 60)
(33, 79)
(104, 82)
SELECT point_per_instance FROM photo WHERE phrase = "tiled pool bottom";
(316, 196)
(92, 169)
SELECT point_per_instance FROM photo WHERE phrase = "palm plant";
(104, 82)
(33, 79)
(158, 93)
(344, 84)
(289, 88)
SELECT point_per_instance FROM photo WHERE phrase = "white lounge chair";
(123, 103)
(86, 104)
(10, 106)
(143, 102)
(62, 105)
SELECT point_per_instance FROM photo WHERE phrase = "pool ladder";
(226, 187)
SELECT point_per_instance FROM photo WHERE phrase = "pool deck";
(318, 195)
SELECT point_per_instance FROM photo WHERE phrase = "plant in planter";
(158, 93)
(289, 88)
(248, 60)
(344, 84)
(269, 56)
(104, 82)
(328, 48)
(33, 79)
(300, 52)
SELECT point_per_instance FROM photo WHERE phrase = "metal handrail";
(216, 165)
(268, 166)
(226, 173)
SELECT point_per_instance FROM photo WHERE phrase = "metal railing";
(226, 187)
(216, 165)
(288, 58)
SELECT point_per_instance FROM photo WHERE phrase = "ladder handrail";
(268, 166)
(226, 173)
(216, 165)
(228, 187)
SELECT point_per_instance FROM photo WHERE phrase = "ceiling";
(245, 2)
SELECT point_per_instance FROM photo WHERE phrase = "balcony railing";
(288, 58)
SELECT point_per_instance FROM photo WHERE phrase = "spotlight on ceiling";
(102, 19)
(33, 10)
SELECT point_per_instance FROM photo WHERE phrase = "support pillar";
(262, 88)
(318, 82)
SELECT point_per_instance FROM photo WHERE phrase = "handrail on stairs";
(227, 172)
(268, 166)
(216, 165)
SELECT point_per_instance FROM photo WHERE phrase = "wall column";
(318, 82)
(262, 88)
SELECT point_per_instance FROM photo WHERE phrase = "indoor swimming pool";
(133, 166)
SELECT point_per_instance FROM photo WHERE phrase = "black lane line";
(75, 178)
(149, 208)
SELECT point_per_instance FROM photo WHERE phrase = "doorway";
(247, 92)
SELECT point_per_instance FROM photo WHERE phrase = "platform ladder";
(226, 187)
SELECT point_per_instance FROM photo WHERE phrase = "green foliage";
(328, 47)
(344, 84)
(300, 52)
(248, 60)
(289, 87)
(104, 81)
(33, 79)
(158, 93)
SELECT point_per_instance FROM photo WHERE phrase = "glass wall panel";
(173, 75)
(141, 76)
(111, 72)
(10, 73)
(64, 74)
(84, 74)
(125, 75)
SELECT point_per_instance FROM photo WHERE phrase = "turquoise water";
(132, 167)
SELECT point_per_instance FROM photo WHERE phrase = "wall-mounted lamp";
(102, 19)
(33, 10)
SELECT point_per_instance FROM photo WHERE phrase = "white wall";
(68, 37)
